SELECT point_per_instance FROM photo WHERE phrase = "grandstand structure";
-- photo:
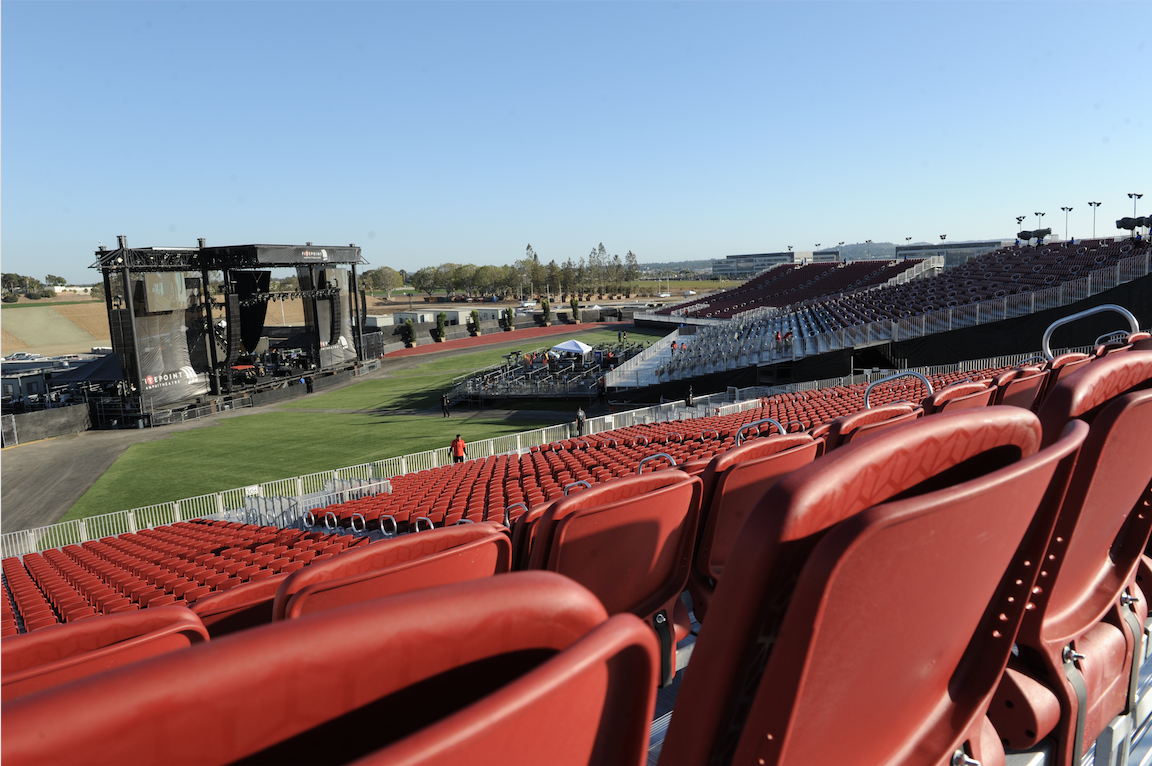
(942, 566)
(1009, 283)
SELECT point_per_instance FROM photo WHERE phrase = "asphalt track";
(40, 481)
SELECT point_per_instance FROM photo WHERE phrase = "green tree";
(55, 281)
(97, 292)
(441, 320)
(547, 311)
(575, 304)
(424, 280)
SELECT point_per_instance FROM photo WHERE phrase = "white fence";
(283, 502)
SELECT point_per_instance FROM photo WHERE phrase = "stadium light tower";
(1094, 206)
(1039, 219)
(1134, 197)
(1019, 222)
(943, 237)
(1066, 210)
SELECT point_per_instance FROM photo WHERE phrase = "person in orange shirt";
(459, 451)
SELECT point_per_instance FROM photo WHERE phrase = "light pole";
(1039, 222)
(1019, 222)
(1134, 197)
(1094, 206)
(1066, 210)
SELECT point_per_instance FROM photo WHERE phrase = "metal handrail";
(762, 421)
(508, 512)
(1112, 337)
(1045, 344)
(395, 527)
(335, 521)
(363, 523)
(463, 521)
(897, 376)
(640, 467)
(431, 526)
(576, 484)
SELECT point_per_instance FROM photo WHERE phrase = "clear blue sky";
(434, 132)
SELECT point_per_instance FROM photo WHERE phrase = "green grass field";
(316, 433)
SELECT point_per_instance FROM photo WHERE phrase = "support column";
(210, 337)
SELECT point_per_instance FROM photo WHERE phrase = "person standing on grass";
(459, 450)
(444, 405)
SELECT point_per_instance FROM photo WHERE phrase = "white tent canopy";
(572, 346)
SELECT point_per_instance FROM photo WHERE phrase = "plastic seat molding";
(1088, 620)
(539, 663)
(825, 571)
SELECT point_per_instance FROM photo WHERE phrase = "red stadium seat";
(732, 483)
(959, 396)
(1090, 604)
(239, 608)
(401, 564)
(36, 661)
(865, 423)
(843, 622)
(501, 670)
(630, 542)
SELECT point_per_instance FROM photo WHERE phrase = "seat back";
(396, 565)
(737, 479)
(959, 396)
(842, 604)
(864, 423)
(1020, 387)
(628, 540)
(1101, 534)
(245, 606)
(1062, 366)
(46, 658)
(499, 670)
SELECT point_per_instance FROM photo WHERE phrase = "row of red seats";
(172, 565)
(837, 608)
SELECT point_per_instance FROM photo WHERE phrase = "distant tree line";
(15, 285)
(598, 274)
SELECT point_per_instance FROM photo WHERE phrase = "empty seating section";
(812, 321)
(788, 284)
(178, 564)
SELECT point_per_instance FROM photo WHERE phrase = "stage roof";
(224, 257)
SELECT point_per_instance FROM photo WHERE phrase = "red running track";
(502, 337)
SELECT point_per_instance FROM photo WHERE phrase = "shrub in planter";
(575, 304)
(547, 312)
(441, 320)
(474, 325)
(509, 319)
(409, 334)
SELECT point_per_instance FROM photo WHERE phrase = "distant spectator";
(689, 400)
(444, 405)
(459, 450)
(580, 418)
(673, 348)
